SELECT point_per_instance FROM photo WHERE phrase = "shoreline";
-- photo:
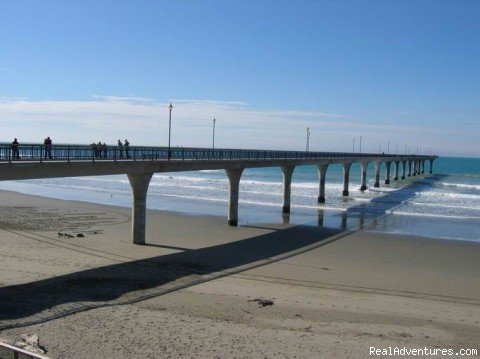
(100, 295)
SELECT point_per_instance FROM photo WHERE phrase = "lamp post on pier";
(353, 151)
(308, 138)
(170, 130)
(360, 146)
(213, 137)
(388, 148)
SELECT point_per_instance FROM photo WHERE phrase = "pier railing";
(40, 153)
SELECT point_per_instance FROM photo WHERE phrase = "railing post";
(68, 154)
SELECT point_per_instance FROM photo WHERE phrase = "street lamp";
(213, 139)
(353, 145)
(388, 148)
(380, 147)
(397, 150)
(308, 138)
(169, 129)
(360, 146)
(405, 149)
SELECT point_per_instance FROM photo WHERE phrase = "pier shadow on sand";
(121, 283)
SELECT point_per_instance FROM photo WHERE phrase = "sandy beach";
(192, 291)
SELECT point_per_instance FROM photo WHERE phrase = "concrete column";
(423, 166)
(414, 168)
(404, 168)
(397, 167)
(387, 177)
(431, 166)
(378, 164)
(234, 175)
(363, 178)
(322, 173)
(346, 178)
(287, 184)
(139, 184)
(409, 168)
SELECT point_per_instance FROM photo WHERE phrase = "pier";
(139, 163)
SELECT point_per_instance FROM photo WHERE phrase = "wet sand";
(191, 291)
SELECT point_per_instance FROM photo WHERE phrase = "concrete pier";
(287, 186)
(322, 173)
(387, 175)
(397, 168)
(404, 169)
(234, 175)
(363, 178)
(378, 164)
(409, 168)
(139, 184)
(346, 178)
(414, 168)
(81, 160)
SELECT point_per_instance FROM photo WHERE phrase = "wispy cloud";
(145, 121)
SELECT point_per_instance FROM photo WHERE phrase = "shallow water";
(446, 205)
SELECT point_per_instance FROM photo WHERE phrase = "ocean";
(443, 205)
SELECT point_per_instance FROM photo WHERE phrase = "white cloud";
(144, 121)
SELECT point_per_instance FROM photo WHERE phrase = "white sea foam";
(431, 215)
(460, 185)
(441, 205)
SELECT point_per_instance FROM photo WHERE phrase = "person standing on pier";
(127, 148)
(120, 148)
(15, 152)
(105, 150)
(48, 147)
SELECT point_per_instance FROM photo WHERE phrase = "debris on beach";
(80, 235)
(262, 302)
(29, 343)
(66, 235)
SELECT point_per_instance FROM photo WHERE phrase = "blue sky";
(400, 71)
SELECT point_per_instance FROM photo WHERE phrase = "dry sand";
(190, 292)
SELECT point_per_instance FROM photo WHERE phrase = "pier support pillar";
(414, 168)
(409, 168)
(404, 169)
(431, 166)
(423, 166)
(346, 178)
(378, 164)
(387, 176)
(139, 184)
(287, 187)
(322, 173)
(234, 175)
(397, 168)
(363, 178)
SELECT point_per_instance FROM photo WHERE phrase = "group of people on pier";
(101, 149)
(47, 142)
